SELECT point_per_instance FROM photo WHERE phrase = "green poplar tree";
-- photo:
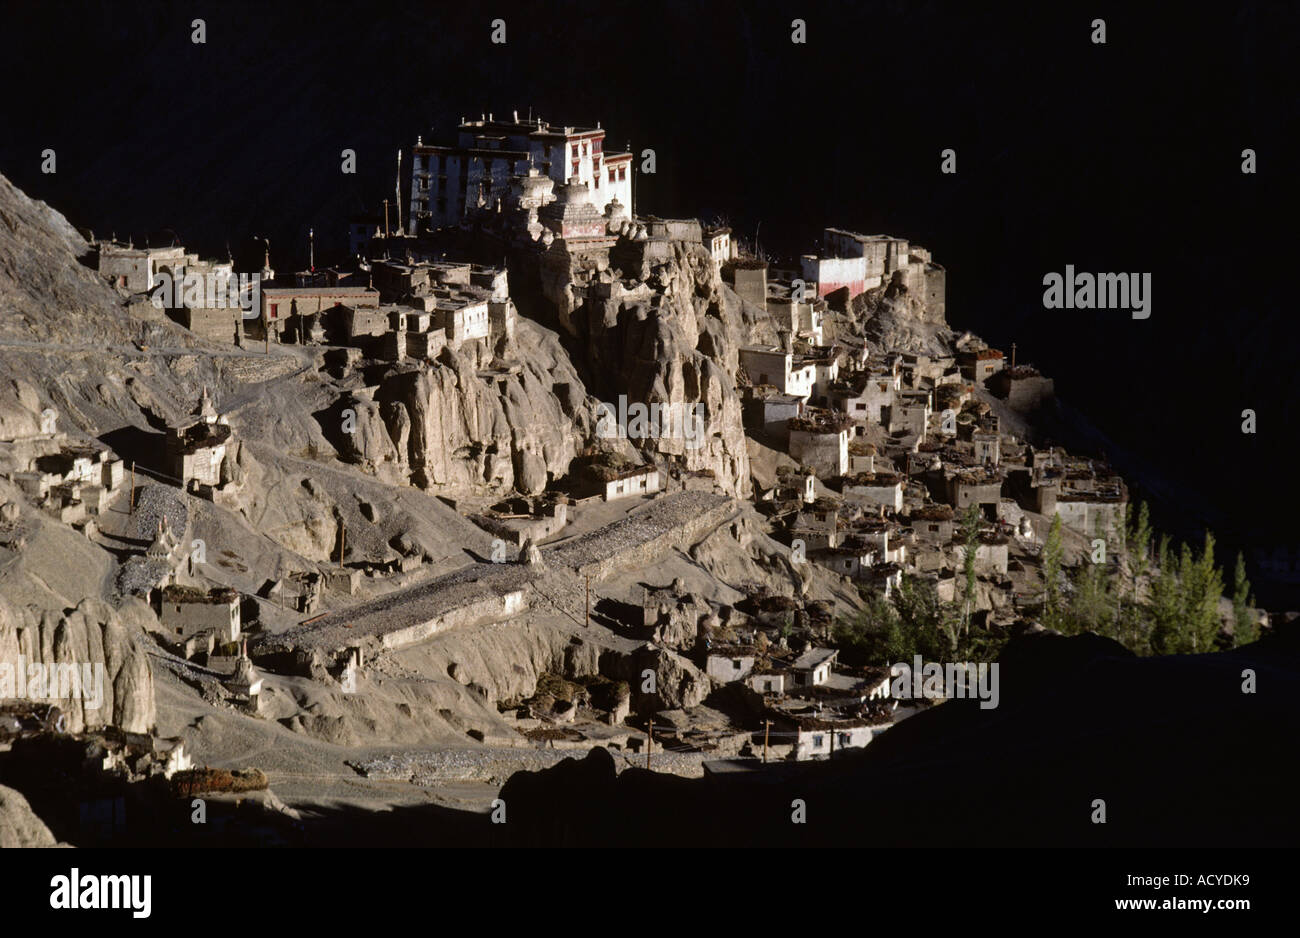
(1245, 627)
(1053, 555)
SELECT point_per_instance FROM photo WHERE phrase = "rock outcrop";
(897, 317)
(19, 825)
(113, 683)
(668, 336)
(475, 421)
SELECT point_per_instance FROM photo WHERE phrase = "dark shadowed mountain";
(1117, 157)
(1179, 755)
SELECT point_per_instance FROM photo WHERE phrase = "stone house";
(820, 441)
(135, 269)
(878, 488)
(979, 366)
(910, 413)
(850, 560)
(188, 611)
(748, 277)
(720, 245)
(934, 524)
(977, 486)
(990, 554)
(776, 366)
(768, 410)
(768, 680)
(641, 480)
(817, 526)
(813, 667)
(864, 397)
(727, 663)
(819, 738)
(290, 309)
(988, 447)
(862, 458)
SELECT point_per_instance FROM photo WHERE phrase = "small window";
(817, 741)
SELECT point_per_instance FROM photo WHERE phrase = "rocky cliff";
(658, 325)
(899, 317)
(105, 646)
(514, 420)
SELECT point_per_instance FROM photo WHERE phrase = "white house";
(642, 480)
(813, 667)
(727, 664)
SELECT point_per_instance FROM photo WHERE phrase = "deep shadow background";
(1122, 157)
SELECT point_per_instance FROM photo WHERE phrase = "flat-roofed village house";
(720, 244)
(776, 366)
(877, 488)
(979, 366)
(864, 397)
(136, 269)
(727, 663)
(813, 667)
(820, 738)
(820, 441)
(294, 309)
(188, 611)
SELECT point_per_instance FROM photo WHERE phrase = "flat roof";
(813, 657)
(312, 291)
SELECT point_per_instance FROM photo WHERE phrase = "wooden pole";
(588, 623)
(649, 740)
(767, 728)
(343, 539)
(131, 503)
